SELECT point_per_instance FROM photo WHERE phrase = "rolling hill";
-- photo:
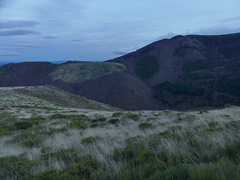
(181, 73)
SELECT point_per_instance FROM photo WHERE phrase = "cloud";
(18, 32)
(17, 24)
(231, 19)
(123, 51)
(167, 35)
(1, 3)
(76, 40)
(9, 53)
(120, 53)
(218, 30)
(50, 37)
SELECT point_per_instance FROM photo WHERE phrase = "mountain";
(182, 73)
(190, 71)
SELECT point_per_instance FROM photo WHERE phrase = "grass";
(88, 144)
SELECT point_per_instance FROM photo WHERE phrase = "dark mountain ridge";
(182, 73)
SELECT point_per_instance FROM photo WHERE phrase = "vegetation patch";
(147, 67)
(34, 107)
(198, 65)
(176, 88)
(80, 117)
(229, 85)
(89, 140)
(132, 116)
(117, 114)
(145, 125)
(23, 125)
(94, 125)
(113, 121)
(78, 125)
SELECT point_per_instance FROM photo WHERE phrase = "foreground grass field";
(46, 141)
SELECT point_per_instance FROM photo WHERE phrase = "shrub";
(117, 114)
(3, 131)
(134, 117)
(78, 125)
(203, 111)
(101, 119)
(89, 140)
(22, 168)
(213, 124)
(85, 169)
(76, 117)
(32, 142)
(113, 121)
(145, 125)
(94, 125)
(36, 120)
(132, 150)
(58, 116)
(23, 125)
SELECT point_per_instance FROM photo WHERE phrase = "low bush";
(134, 117)
(89, 140)
(78, 125)
(117, 114)
(101, 119)
(23, 125)
(94, 125)
(113, 121)
(203, 111)
(4, 131)
(145, 125)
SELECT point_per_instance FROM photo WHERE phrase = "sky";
(97, 30)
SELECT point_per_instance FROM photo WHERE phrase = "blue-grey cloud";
(22, 46)
(76, 40)
(125, 50)
(218, 30)
(19, 32)
(17, 24)
(167, 35)
(120, 53)
(1, 3)
(50, 37)
(231, 19)
(9, 53)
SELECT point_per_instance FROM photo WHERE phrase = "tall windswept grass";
(138, 145)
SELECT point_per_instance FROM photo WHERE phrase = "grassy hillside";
(80, 72)
(46, 141)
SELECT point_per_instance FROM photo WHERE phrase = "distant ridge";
(182, 73)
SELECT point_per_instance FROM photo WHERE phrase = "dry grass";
(57, 144)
